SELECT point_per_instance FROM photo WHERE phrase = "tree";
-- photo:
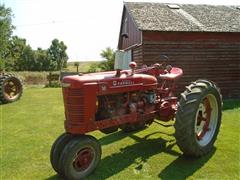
(107, 64)
(27, 61)
(20, 56)
(43, 60)
(14, 54)
(94, 67)
(6, 29)
(109, 56)
(57, 54)
(17, 55)
(77, 65)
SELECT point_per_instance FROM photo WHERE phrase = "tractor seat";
(174, 74)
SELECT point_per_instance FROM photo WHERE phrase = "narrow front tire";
(80, 157)
(57, 149)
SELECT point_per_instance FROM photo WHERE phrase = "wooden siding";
(213, 56)
(137, 55)
(134, 35)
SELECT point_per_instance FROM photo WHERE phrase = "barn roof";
(184, 17)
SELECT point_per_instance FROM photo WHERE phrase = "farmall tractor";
(131, 100)
(10, 88)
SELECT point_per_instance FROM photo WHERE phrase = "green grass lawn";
(30, 126)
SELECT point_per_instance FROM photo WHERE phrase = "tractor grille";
(74, 105)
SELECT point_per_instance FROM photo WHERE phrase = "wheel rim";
(84, 159)
(206, 120)
(12, 88)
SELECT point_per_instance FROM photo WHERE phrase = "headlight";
(65, 85)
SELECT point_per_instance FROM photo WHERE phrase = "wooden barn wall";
(213, 56)
(134, 35)
(137, 55)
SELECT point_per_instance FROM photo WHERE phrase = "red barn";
(203, 40)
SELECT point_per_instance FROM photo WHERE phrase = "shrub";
(53, 85)
(32, 78)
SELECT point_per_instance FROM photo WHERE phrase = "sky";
(85, 26)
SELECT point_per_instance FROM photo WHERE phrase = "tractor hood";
(108, 82)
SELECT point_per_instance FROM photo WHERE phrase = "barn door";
(122, 59)
(127, 58)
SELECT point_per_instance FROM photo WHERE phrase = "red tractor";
(131, 100)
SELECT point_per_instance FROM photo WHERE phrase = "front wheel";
(57, 149)
(198, 118)
(80, 157)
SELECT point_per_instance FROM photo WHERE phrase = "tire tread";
(185, 117)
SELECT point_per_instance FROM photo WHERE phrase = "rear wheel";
(198, 118)
(10, 88)
(80, 157)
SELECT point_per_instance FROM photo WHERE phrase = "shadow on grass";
(55, 177)
(143, 149)
(139, 153)
(231, 104)
(113, 137)
(119, 135)
(184, 167)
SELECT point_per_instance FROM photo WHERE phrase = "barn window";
(125, 28)
(173, 6)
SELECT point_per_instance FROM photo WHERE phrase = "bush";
(107, 64)
(94, 67)
(1, 65)
(32, 78)
(53, 85)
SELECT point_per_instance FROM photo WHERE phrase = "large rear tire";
(80, 157)
(11, 88)
(198, 118)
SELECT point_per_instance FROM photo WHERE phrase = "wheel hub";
(206, 120)
(203, 118)
(11, 89)
(83, 159)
